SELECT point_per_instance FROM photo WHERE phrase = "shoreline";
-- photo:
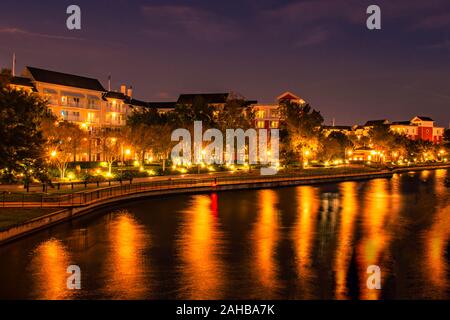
(62, 215)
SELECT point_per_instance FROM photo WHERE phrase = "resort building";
(80, 100)
(267, 115)
(419, 128)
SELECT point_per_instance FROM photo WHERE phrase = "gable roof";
(422, 118)
(64, 79)
(287, 96)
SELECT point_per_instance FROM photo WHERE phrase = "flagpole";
(14, 65)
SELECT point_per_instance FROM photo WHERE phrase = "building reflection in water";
(304, 233)
(126, 266)
(345, 238)
(380, 210)
(49, 271)
(264, 239)
(200, 246)
(437, 242)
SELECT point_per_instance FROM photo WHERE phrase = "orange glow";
(304, 236)
(49, 267)
(345, 237)
(265, 237)
(202, 271)
(126, 260)
(436, 240)
(378, 214)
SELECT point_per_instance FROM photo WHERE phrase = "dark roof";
(114, 95)
(22, 81)
(209, 98)
(250, 102)
(65, 79)
(425, 118)
(137, 103)
(338, 127)
(372, 123)
(162, 105)
(407, 122)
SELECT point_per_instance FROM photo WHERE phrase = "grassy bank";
(13, 216)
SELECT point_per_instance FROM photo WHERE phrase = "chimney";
(130, 92)
(123, 89)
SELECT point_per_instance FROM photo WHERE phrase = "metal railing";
(87, 197)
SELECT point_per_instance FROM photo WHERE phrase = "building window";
(260, 114)
(260, 124)
(275, 113)
(274, 124)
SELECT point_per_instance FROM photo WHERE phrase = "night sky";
(320, 50)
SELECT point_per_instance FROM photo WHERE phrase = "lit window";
(260, 114)
(260, 124)
(274, 124)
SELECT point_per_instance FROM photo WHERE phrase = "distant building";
(267, 116)
(364, 154)
(80, 100)
(419, 128)
(214, 100)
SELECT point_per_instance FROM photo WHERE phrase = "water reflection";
(345, 238)
(437, 240)
(264, 239)
(200, 246)
(307, 242)
(378, 221)
(126, 265)
(304, 235)
(48, 267)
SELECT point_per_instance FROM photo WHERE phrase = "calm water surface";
(308, 242)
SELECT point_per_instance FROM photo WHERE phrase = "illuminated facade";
(419, 128)
(267, 116)
(80, 100)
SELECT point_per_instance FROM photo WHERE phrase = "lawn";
(13, 216)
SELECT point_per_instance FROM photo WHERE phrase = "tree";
(447, 135)
(299, 130)
(141, 137)
(150, 130)
(235, 114)
(63, 140)
(111, 145)
(21, 143)
(334, 146)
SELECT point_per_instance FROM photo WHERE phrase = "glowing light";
(127, 152)
(53, 154)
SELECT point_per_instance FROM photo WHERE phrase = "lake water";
(306, 242)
